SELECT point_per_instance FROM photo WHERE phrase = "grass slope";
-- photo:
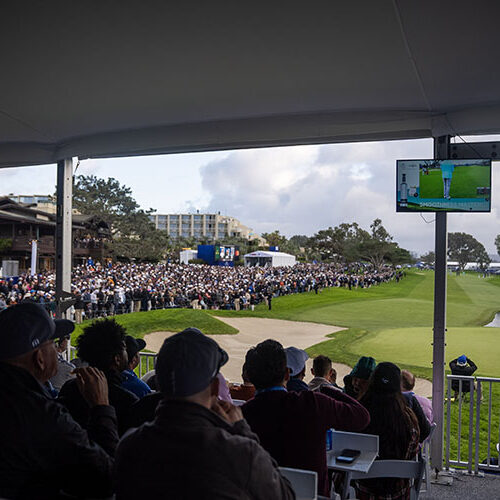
(170, 320)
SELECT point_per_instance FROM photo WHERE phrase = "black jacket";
(43, 450)
(466, 371)
(119, 398)
(190, 452)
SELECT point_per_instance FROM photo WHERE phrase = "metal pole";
(63, 232)
(441, 151)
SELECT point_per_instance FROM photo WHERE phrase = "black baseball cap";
(134, 345)
(26, 326)
(187, 363)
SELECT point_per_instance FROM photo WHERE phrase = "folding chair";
(304, 482)
(404, 469)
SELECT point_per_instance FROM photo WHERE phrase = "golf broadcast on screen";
(443, 185)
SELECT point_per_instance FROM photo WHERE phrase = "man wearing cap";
(463, 366)
(43, 450)
(292, 426)
(356, 382)
(296, 362)
(131, 381)
(197, 446)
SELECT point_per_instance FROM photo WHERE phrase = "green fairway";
(393, 321)
(464, 182)
(170, 320)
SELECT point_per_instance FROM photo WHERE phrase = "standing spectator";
(44, 451)
(292, 426)
(131, 381)
(197, 446)
(324, 373)
(101, 345)
(296, 363)
(463, 366)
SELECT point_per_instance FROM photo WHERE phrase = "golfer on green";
(447, 173)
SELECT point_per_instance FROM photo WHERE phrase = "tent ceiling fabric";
(121, 77)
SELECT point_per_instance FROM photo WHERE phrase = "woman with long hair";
(397, 427)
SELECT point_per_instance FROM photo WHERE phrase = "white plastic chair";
(426, 455)
(304, 482)
(405, 469)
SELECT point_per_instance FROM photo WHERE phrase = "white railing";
(469, 406)
(146, 362)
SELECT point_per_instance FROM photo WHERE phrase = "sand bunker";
(255, 330)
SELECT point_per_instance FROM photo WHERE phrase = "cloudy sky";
(297, 190)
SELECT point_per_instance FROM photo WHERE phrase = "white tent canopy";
(262, 258)
(132, 78)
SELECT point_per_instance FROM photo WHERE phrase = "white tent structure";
(263, 258)
(186, 255)
(120, 78)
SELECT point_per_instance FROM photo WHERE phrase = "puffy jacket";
(190, 452)
(43, 450)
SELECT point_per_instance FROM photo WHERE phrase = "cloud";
(300, 190)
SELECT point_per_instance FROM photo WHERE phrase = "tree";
(378, 245)
(497, 243)
(482, 258)
(463, 248)
(428, 258)
(340, 243)
(274, 239)
(133, 235)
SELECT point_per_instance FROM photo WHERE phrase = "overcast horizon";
(294, 189)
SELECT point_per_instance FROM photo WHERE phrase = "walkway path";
(255, 330)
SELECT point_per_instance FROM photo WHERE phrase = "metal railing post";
(448, 423)
(478, 426)
(471, 424)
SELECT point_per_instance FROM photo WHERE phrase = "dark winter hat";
(187, 363)
(26, 326)
(386, 379)
(364, 367)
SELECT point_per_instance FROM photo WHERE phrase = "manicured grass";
(393, 321)
(463, 183)
(170, 320)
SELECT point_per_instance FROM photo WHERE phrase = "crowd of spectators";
(106, 428)
(121, 288)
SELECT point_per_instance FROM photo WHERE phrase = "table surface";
(361, 464)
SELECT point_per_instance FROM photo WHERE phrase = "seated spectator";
(463, 366)
(296, 363)
(44, 451)
(323, 372)
(292, 426)
(101, 345)
(397, 427)
(64, 368)
(356, 382)
(131, 381)
(407, 385)
(197, 446)
(244, 391)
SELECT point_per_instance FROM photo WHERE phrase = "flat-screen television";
(443, 185)
(226, 253)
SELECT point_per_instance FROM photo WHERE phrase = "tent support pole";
(441, 151)
(63, 234)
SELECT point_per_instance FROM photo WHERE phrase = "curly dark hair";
(100, 342)
(266, 364)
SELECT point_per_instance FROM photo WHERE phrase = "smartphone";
(348, 456)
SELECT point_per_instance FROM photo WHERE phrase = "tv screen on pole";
(443, 185)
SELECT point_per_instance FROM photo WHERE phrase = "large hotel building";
(210, 226)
